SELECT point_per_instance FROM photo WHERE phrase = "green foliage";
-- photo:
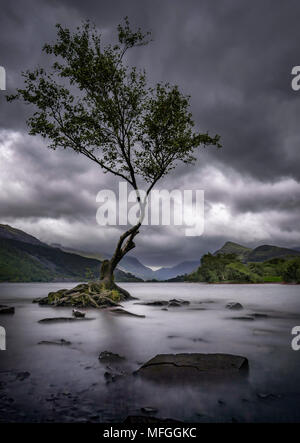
(90, 101)
(25, 262)
(291, 272)
(228, 268)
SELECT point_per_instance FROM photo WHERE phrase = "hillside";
(267, 252)
(227, 268)
(242, 252)
(259, 254)
(10, 233)
(25, 258)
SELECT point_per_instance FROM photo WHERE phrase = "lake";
(42, 382)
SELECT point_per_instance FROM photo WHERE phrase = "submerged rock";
(174, 304)
(62, 319)
(7, 309)
(61, 342)
(193, 367)
(153, 303)
(22, 375)
(234, 306)
(123, 312)
(108, 357)
(258, 315)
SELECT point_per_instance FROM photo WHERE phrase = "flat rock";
(108, 357)
(60, 342)
(234, 306)
(196, 367)
(120, 311)
(7, 309)
(259, 315)
(62, 319)
(153, 303)
(180, 301)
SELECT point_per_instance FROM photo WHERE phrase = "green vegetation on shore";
(228, 268)
(37, 262)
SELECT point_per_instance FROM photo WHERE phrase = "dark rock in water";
(123, 312)
(136, 419)
(268, 396)
(258, 315)
(174, 304)
(108, 357)
(234, 305)
(23, 375)
(7, 309)
(243, 318)
(113, 376)
(153, 303)
(193, 367)
(78, 314)
(149, 410)
(180, 301)
(61, 342)
(62, 319)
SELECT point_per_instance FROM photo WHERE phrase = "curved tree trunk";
(125, 244)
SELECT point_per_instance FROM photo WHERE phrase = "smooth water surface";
(40, 382)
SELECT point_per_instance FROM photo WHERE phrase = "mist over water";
(68, 383)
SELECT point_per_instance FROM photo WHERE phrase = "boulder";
(193, 367)
(78, 314)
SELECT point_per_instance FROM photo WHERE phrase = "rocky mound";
(83, 295)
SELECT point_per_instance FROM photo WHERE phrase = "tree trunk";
(108, 266)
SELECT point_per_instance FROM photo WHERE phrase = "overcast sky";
(234, 58)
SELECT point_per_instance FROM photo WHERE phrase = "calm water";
(67, 383)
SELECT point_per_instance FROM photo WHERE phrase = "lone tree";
(90, 101)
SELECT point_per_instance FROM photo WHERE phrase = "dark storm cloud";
(233, 57)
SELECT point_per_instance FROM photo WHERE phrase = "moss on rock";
(92, 294)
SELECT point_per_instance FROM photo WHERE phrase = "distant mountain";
(135, 267)
(25, 258)
(267, 252)
(185, 267)
(229, 247)
(297, 248)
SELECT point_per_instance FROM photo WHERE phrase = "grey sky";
(233, 57)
